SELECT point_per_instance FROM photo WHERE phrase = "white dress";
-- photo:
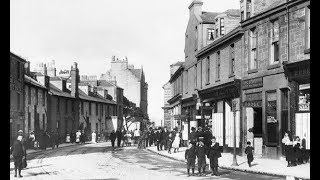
(93, 135)
(176, 142)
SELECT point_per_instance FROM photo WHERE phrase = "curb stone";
(237, 169)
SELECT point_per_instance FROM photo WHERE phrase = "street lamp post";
(234, 103)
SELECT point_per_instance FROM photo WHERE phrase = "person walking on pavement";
(213, 154)
(163, 139)
(73, 137)
(201, 151)
(112, 137)
(249, 151)
(18, 152)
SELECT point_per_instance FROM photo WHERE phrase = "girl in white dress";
(176, 142)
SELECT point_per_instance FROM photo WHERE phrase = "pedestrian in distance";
(147, 137)
(165, 138)
(158, 139)
(52, 140)
(249, 151)
(119, 135)
(32, 139)
(93, 137)
(113, 137)
(82, 137)
(213, 154)
(190, 156)
(170, 141)
(78, 136)
(176, 143)
(151, 137)
(201, 151)
(18, 152)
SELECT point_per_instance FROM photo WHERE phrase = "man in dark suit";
(18, 152)
(158, 139)
(151, 137)
(113, 137)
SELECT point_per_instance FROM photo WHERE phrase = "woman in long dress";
(176, 143)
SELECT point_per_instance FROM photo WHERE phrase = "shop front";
(188, 111)
(266, 113)
(223, 114)
(298, 74)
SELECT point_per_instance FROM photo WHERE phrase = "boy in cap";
(190, 156)
(249, 151)
(213, 154)
(201, 155)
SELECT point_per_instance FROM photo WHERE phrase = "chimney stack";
(196, 7)
(75, 80)
(45, 70)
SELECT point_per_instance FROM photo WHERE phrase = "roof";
(107, 83)
(95, 98)
(18, 57)
(179, 63)
(233, 12)
(136, 72)
(56, 78)
(29, 80)
(56, 91)
(208, 17)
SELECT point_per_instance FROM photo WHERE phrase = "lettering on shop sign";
(254, 96)
(226, 92)
(252, 83)
(252, 103)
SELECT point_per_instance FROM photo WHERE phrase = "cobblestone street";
(99, 161)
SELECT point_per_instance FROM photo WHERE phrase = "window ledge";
(252, 71)
(231, 75)
(307, 51)
(273, 66)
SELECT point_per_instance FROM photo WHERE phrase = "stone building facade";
(131, 80)
(16, 95)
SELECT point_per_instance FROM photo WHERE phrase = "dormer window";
(221, 26)
(210, 34)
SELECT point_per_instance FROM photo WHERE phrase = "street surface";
(100, 161)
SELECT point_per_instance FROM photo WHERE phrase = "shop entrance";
(254, 126)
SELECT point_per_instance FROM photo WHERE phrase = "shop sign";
(252, 103)
(252, 83)
(300, 72)
(254, 96)
(225, 92)
(304, 107)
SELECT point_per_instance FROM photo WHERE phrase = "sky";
(149, 32)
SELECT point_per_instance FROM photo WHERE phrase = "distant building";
(131, 80)
(16, 95)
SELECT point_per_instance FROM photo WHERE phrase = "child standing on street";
(176, 143)
(213, 154)
(201, 155)
(249, 151)
(190, 156)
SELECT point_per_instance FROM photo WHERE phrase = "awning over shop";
(298, 71)
(227, 90)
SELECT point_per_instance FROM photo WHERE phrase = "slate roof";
(55, 78)
(29, 80)
(208, 17)
(56, 91)
(96, 98)
(179, 63)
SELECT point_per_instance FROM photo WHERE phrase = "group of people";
(295, 150)
(42, 140)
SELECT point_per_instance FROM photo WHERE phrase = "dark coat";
(193, 136)
(157, 136)
(118, 134)
(163, 136)
(201, 151)
(191, 153)
(169, 141)
(17, 149)
(214, 151)
(249, 152)
(113, 136)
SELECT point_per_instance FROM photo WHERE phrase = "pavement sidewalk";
(259, 165)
